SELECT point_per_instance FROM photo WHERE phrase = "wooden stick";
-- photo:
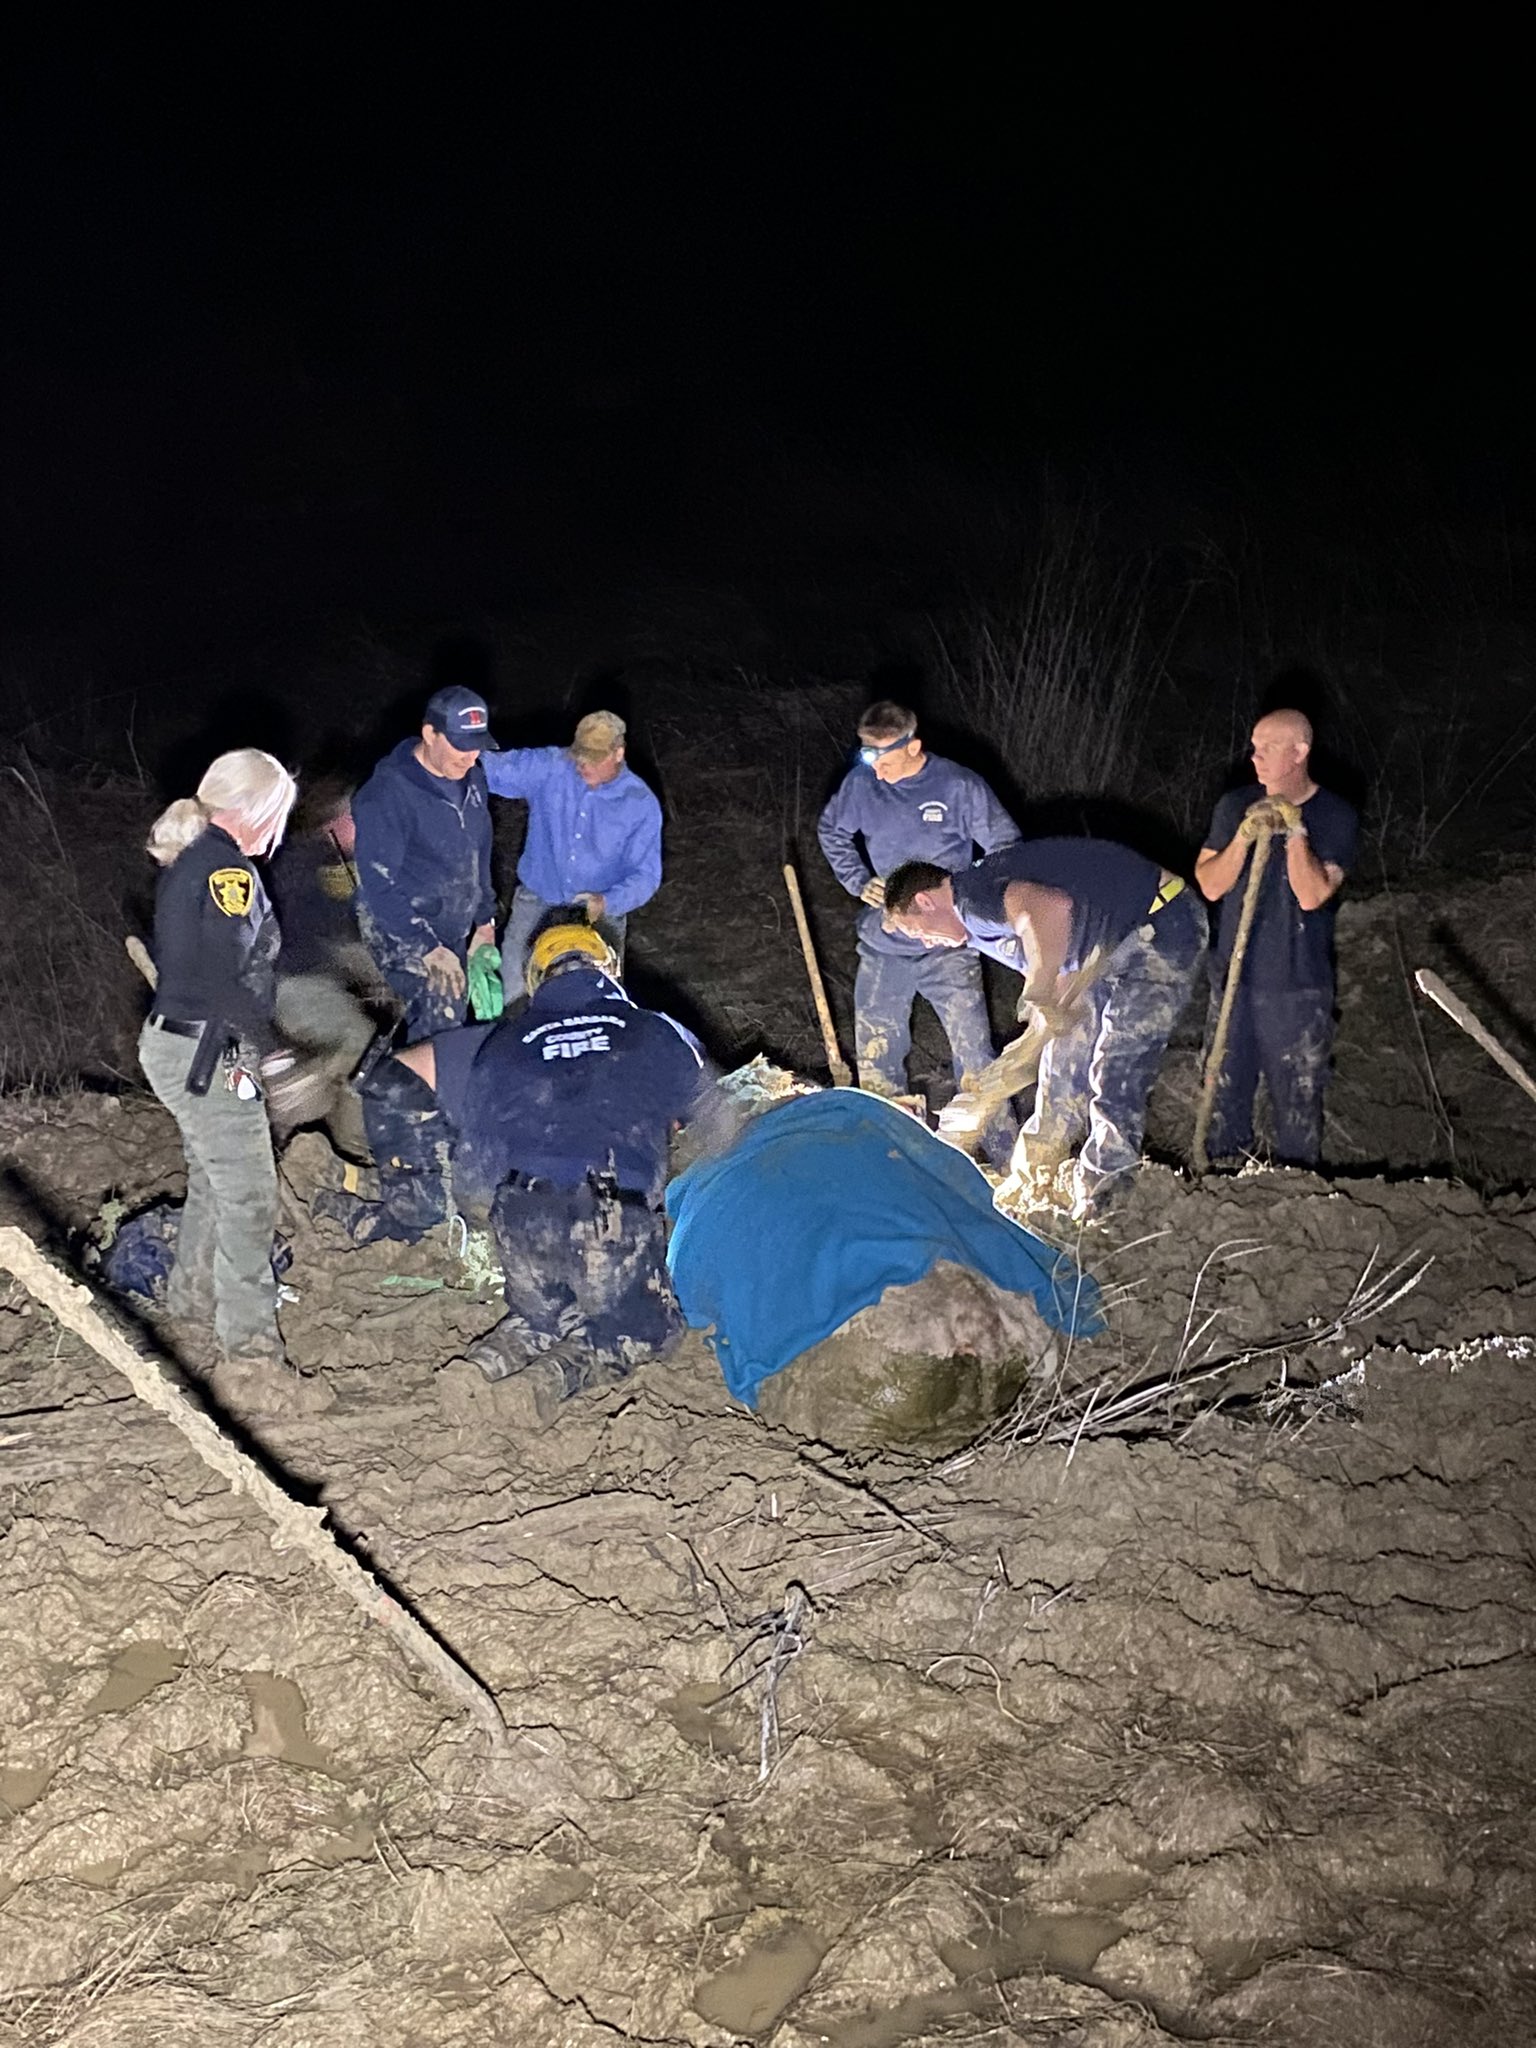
(1199, 1158)
(302, 1527)
(138, 953)
(1432, 986)
(1017, 1065)
(842, 1074)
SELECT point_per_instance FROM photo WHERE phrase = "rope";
(1218, 1052)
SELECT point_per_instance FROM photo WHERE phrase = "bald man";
(1282, 1018)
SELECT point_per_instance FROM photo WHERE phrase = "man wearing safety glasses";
(900, 803)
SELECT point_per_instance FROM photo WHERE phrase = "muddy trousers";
(1284, 1038)
(223, 1269)
(411, 1140)
(1097, 1078)
(523, 920)
(585, 1269)
(427, 1009)
(884, 990)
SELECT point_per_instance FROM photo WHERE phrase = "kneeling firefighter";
(557, 1123)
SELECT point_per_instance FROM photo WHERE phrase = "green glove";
(485, 996)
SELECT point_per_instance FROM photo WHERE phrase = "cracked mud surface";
(1216, 1729)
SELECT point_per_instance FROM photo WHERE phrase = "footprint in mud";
(135, 1672)
(279, 1726)
(748, 1995)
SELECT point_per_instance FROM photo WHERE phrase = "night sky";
(305, 317)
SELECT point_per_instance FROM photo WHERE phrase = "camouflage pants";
(1097, 1077)
(586, 1269)
(223, 1264)
(319, 1014)
(1284, 1038)
(324, 1020)
(884, 990)
(522, 922)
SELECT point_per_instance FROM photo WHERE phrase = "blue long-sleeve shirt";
(941, 814)
(423, 856)
(602, 842)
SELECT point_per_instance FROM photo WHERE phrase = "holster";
(212, 1043)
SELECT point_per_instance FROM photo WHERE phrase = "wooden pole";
(1218, 1052)
(982, 1095)
(842, 1074)
(303, 1528)
(1432, 986)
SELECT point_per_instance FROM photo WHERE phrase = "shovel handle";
(1430, 984)
(842, 1075)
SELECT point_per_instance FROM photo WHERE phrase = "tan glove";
(1287, 815)
(873, 892)
(445, 972)
(1053, 1017)
(960, 1117)
(1258, 820)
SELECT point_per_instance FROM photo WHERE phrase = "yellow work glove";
(1287, 814)
(1258, 820)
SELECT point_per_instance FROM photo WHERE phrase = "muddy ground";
(1212, 1723)
(1210, 1718)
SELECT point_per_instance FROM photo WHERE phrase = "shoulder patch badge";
(232, 889)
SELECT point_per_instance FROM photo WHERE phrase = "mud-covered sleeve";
(836, 830)
(383, 854)
(485, 888)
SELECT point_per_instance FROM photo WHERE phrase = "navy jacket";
(942, 814)
(581, 1081)
(423, 856)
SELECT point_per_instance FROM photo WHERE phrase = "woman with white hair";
(211, 1023)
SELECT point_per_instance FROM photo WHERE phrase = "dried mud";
(1218, 1728)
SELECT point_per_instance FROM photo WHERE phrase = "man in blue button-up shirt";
(594, 836)
(900, 803)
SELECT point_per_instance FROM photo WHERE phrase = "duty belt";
(178, 1027)
(1169, 887)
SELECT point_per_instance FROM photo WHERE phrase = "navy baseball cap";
(463, 720)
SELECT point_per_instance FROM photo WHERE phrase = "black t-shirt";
(1111, 888)
(1289, 947)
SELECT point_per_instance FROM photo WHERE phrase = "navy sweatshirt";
(423, 855)
(942, 814)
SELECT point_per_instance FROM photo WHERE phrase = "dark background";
(419, 324)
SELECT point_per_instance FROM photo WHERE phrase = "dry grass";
(68, 1000)
(1061, 680)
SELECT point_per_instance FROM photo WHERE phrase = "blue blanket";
(820, 1205)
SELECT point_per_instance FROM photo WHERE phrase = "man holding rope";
(1281, 1024)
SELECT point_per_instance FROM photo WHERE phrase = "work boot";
(542, 1382)
(264, 1384)
(364, 1222)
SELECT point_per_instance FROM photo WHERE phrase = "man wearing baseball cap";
(425, 901)
(594, 836)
